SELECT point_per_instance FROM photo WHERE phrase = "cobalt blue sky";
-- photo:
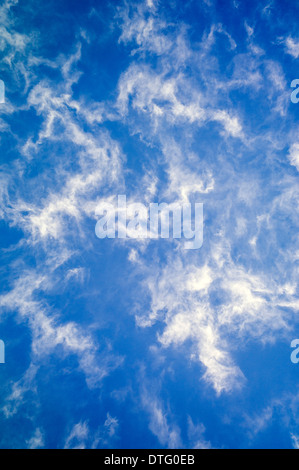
(140, 343)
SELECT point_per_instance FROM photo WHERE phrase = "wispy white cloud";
(37, 440)
(77, 437)
(167, 434)
(292, 46)
(294, 155)
(196, 435)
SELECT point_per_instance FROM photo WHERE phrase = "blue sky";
(142, 343)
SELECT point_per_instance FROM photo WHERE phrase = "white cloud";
(294, 155)
(295, 440)
(196, 435)
(167, 434)
(37, 440)
(111, 424)
(292, 47)
(48, 332)
(230, 124)
(77, 437)
(20, 389)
